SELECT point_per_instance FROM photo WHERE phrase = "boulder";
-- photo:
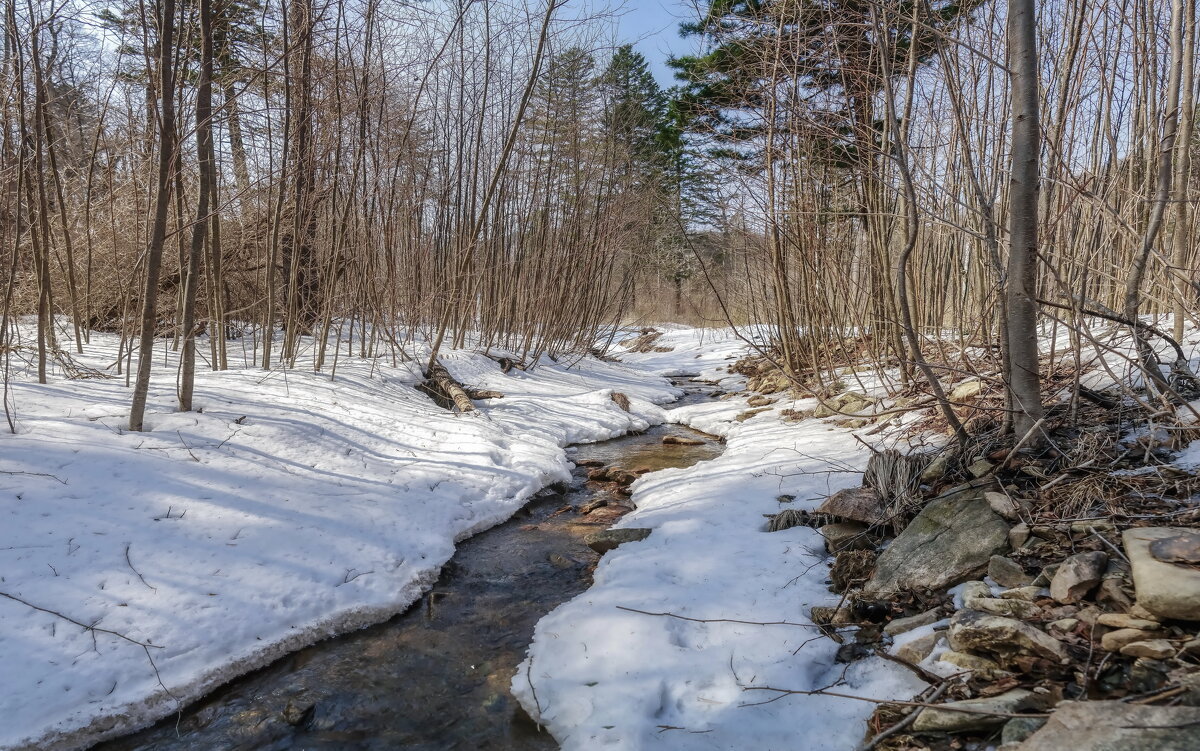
(846, 536)
(1117, 726)
(951, 540)
(1164, 588)
(973, 631)
(609, 539)
(945, 720)
(855, 504)
(1077, 576)
(1007, 573)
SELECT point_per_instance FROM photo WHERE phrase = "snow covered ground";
(602, 675)
(287, 508)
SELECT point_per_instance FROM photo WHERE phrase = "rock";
(973, 589)
(915, 650)
(1168, 590)
(1064, 625)
(1028, 594)
(558, 560)
(980, 468)
(1009, 608)
(1123, 620)
(599, 474)
(951, 540)
(1117, 726)
(1003, 504)
(983, 666)
(621, 476)
(1114, 593)
(678, 440)
(825, 616)
(1077, 576)
(591, 506)
(902, 625)
(1018, 535)
(1019, 728)
(855, 504)
(1155, 649)
(846, 536)
(758, 400)
(936, 470)
(966, 390)
(939, 720)
(1007, 572)
(608, 539)
(971, 630)
(1114, 641)
(298, 713)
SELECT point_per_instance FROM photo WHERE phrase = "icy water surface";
(437, 676)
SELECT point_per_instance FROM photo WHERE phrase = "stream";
(435, 677)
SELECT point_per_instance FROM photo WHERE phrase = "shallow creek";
(436, 676)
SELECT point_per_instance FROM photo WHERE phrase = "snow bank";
(289, 507)
(600, 675)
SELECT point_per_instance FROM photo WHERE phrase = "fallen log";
(448, 392)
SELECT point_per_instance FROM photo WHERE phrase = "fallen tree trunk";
(445, 390)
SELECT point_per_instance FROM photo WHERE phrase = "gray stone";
(1019, 728)
(980, 467)
(1007, 572)
(1115, 641)
(1117, 726)
(1004, 505)
(1077, 576)
(1010, 608)
(855, 504)
(846, 536)
(981, 666)
(950, 541)
(945, 720)
(1155, 649)
(917, 649)
(608, 539)
(1028, 594)
(971, 631)
(903, 625)
(1165, 589)
(1018, 535)
(1124, 620)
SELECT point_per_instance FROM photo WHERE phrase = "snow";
(602, 675)
(289, 507)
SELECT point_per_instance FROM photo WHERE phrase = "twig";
(93, 628)
(908, 720)
(33, 474)
(940, 707)
(1108, 544)
(717, 620)
(134, 570)
(189, 448)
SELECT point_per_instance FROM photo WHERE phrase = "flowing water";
(436, 676)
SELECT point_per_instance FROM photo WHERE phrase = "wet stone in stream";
(437, 676)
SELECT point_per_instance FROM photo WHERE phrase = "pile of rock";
(1022, 619)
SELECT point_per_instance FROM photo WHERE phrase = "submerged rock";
(951, 540)
(609, 539)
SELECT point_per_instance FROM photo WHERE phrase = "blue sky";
(652, 26)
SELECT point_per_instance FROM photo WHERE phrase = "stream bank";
(436, 676)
